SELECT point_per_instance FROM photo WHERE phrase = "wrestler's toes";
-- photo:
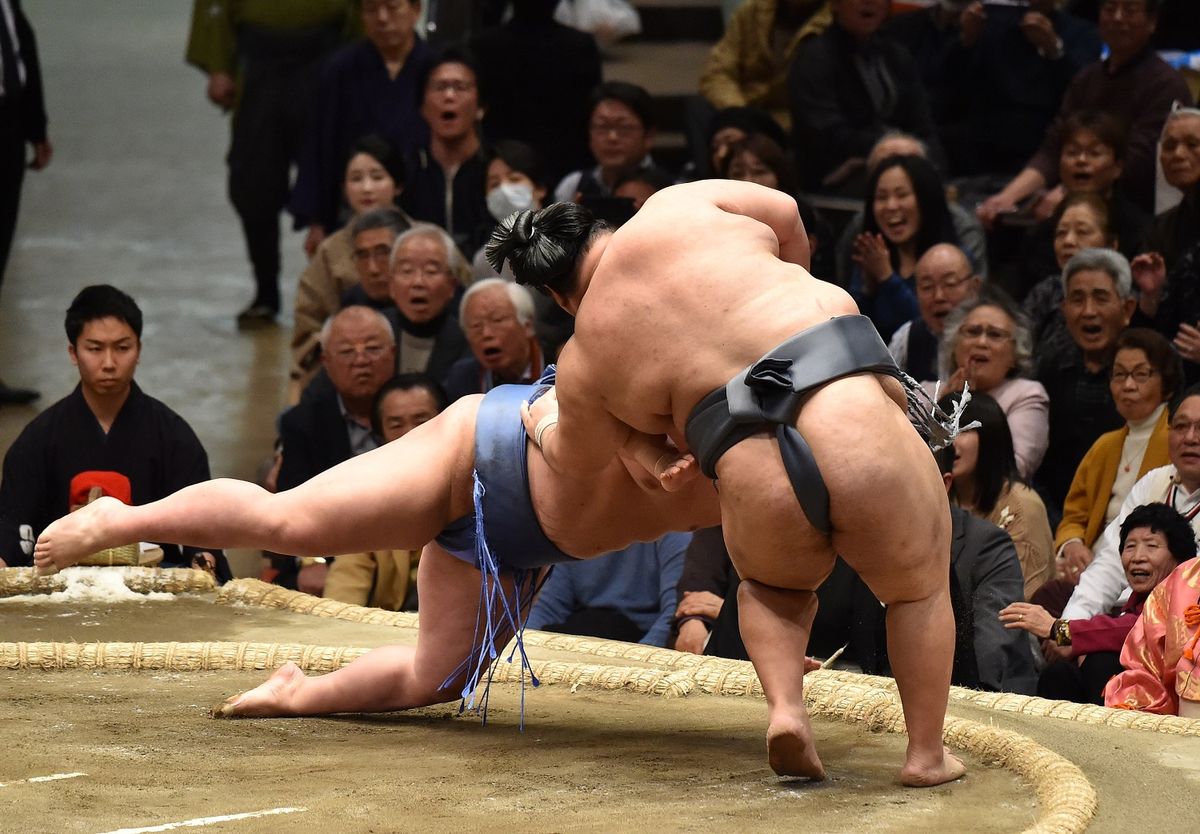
(227, 708)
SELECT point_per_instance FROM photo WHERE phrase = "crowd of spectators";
(1009, 193)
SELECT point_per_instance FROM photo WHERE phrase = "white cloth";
(414, 353)
(1132, 452)
(1102, 584)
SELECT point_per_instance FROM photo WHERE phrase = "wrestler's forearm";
(574, 453)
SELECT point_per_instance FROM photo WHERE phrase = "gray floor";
(135, 197)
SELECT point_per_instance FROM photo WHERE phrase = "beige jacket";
(743, 70)
(1019, 511)
(378, 579)
(318, 296)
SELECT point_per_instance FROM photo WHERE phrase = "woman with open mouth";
(904, 215)
(1155, 539)
(987, 344)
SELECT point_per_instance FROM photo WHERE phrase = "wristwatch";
(1060, 632)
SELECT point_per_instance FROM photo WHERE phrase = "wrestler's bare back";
(698, 291)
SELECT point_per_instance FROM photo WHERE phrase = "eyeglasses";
(1140, 375)
(456, 85)
(621, 129)
(992, 335)
(376, 253)
(409, 270)
(476, 328)
(946, 285)
(1185, 427)
(346, 355)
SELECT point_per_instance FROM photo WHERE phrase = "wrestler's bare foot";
(791, 752)
(675, 473)
(919, 774)
(76, 535)
(267, 700)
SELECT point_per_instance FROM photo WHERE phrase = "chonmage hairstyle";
(102, 301)
(543, 248)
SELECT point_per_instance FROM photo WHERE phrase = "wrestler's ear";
(560, 299)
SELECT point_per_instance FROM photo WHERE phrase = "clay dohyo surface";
(587, 761)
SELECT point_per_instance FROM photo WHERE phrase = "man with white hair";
(497, 317)
(426, 268)
(358, 352)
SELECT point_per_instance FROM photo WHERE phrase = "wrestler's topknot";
(542, 248)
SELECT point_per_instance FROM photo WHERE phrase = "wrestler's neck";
(587, 268)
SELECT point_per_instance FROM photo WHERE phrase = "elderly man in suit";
(358, 351)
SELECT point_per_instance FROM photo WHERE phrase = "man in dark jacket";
(849, 86)
(358, 352)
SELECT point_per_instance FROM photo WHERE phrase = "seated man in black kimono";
(105, 425)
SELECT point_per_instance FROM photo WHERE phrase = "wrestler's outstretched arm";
(397, 496)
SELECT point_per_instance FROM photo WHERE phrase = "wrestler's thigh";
(402, 494)
(888, 504)
(769, 538)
